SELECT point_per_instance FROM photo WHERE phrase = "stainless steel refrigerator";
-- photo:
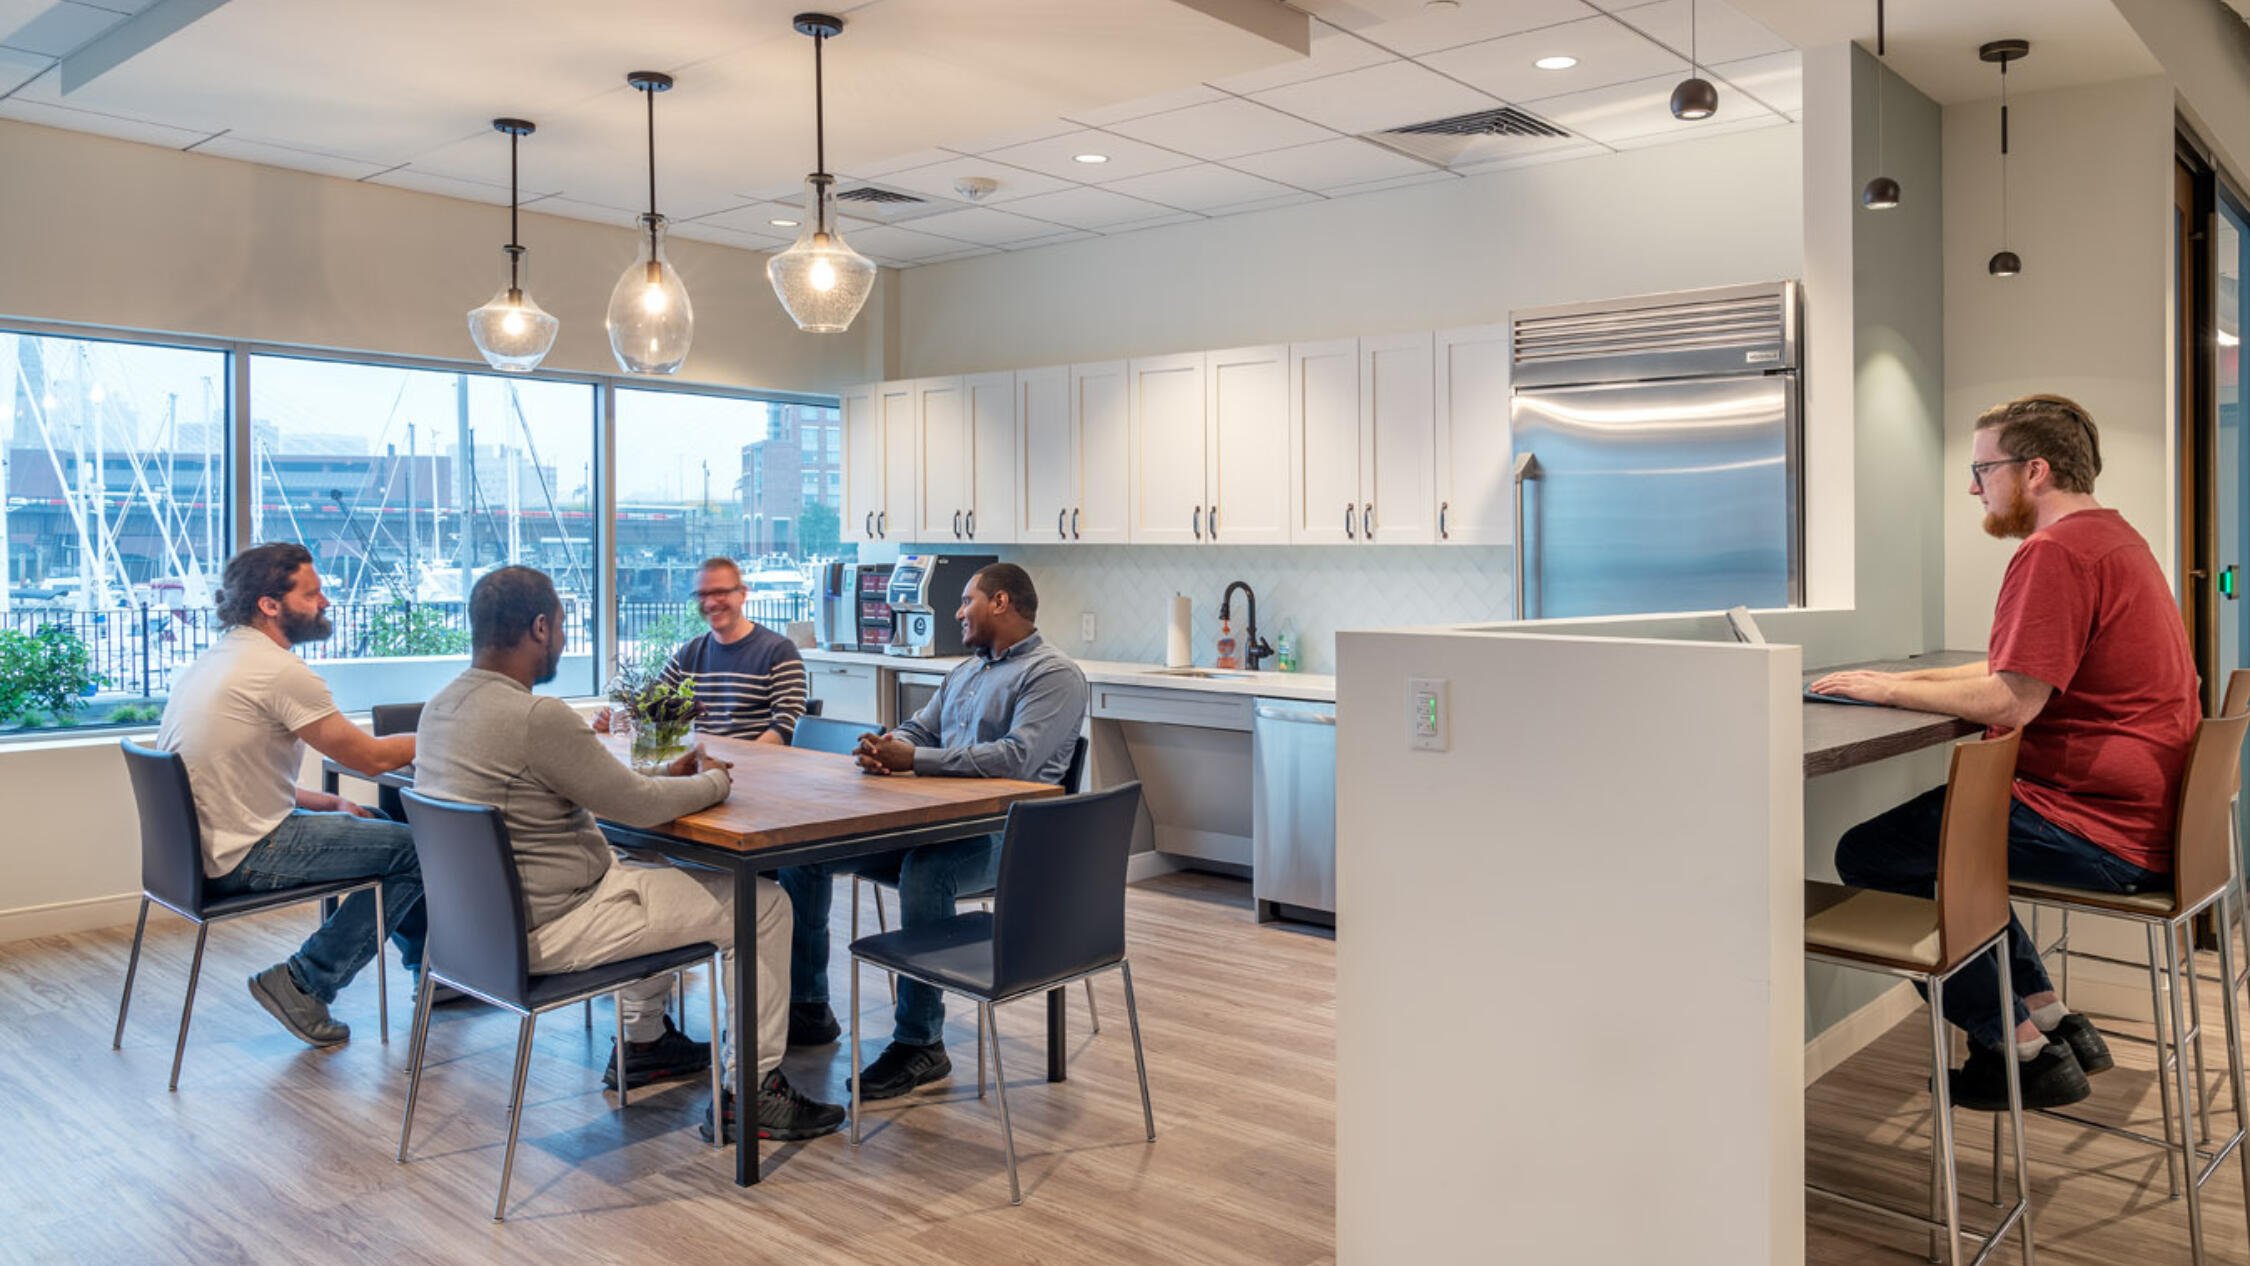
(1657, 448)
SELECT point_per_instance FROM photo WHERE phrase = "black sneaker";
(902, 1067)
(783, 1113)
(2085, 1042)
(671, 1056)
(812, 1024)
(2051, 1079)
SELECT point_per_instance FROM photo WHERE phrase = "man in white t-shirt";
(240, 718)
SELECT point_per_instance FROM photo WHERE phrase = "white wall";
(2090, 208)
(112, 233)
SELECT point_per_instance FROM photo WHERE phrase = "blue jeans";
(928, 878)
(1897, 852)
(311, 847)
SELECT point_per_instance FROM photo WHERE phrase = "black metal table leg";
(1058, 1036)
(333, 783)
(745, 1021)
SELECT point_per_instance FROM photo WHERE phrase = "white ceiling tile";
(1266, 204)
(1330, 164)
(1016, 136)
(597, 213)
(758, 218)
(1713, 126)
(247, 150)
(987, 226)
(1378, 97)
(1640, 108)
(1202, 187)
(1722, 34)
(1776, 79)
(1068, 235)
(450, 186)
(1056, 156)
(61, 30)
(970, 253)
(1561, 153)
(936, 179)
(889, 242)
(1430, 30)
(18, 69)
(898, 162)
(1222, 129)
(1089, 208)
(1195, 94)
(1394, 182)
(1333, 52)
(1160, 222)
(25, 110)
(1607, 52)
(705, 231)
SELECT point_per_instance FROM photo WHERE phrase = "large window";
(112, 524)
(409, 484)
(700, 476)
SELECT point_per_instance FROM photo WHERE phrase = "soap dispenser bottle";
(1228, 657)
(1285, 647)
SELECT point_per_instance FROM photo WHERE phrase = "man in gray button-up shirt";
(1012, 711)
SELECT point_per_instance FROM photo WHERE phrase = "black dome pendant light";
(2004, 263)
(1694, 98)
(1881, 193)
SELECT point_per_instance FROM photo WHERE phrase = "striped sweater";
(755, 684)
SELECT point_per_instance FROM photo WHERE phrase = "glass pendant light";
(821, 282)
(511, 330)
(650, 320)
(1694, 98)
(1881, 193)
(2004, 262)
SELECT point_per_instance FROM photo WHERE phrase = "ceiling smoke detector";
(975, 188)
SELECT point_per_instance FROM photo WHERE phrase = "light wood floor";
(271, 1152)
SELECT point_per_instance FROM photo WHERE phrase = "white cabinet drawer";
(848, 692)
(1172, 707)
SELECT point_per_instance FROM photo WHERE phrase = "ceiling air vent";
(881, 205)
(1468, 139)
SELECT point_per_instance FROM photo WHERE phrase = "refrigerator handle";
(1527, 469)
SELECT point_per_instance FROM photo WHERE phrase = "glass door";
(2230, 252)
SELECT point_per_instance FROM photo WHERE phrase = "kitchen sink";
(1213, 674)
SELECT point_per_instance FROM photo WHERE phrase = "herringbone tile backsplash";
(1323, 588)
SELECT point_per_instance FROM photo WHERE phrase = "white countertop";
(1266, 685)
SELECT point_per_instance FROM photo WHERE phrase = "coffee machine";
(864, 620)
(925, 591)
(835, 614)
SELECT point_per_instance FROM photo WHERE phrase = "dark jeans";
(928, 879)
(1897, 852)
(309, 847)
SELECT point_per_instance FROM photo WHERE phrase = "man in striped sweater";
(749, 679)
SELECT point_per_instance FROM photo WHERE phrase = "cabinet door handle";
(868, 525)
(1199, 523)
(1442, 507)
(1367, 520)
(972, 525)
(956, 525)
(883, 524)
(1214, 523)
(1351, 533)
(1061, 535)
(1074, 524)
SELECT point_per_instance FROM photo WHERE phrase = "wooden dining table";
(797, 807)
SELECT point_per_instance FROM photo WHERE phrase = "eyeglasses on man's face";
(706, 595)
(1977, 469)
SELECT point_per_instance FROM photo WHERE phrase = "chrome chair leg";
(2195, 1028)
(882, 924)
(417, 1044)
(855, 1051)
(1941, 1061)
(524, 1031)
(2015, 1102)
(1093, 1012)
(1941, 1092)
(1140, 1065)
(2174, 933)
(2234, 1038)
(2062, 942)
(718, 1046)
(617, 1008)
(2163, 1083)
(1000, 1080)
(589, 1015)
(382, 978)
(187, 1005)
(980, 1052)
(677, 1003)
(132, 965)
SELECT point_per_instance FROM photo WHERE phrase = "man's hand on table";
(884, 754)
(1860, 683)
(323, 802)
(696, 761)
(600, 721)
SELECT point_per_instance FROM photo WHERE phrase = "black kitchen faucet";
(1254, 648)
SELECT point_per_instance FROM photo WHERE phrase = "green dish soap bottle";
(1285, 647)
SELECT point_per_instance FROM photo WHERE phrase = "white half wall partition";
(1589, 906)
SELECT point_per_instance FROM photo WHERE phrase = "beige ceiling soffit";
(1268, 19)
(134, 35)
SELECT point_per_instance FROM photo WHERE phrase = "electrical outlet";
(1086, 626)
(1428, 727)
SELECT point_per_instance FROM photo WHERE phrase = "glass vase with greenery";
(658, 714)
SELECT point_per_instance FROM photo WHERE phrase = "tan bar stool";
(1928, 941)
(2202, 877)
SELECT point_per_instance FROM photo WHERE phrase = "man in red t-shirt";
(2089, 658)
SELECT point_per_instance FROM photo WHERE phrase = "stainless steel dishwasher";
(1293, 810)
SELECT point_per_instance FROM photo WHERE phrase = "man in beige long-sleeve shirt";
(487, 739)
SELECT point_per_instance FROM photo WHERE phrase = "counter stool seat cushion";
(2152, 903)
(1883, 926)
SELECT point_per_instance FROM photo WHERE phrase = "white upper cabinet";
(1324, 442)
(948, 455)
(1046, 455)
(1165, 394)
(1476, 503)
(863, 462)
(1246, 429)
(895, 518)
(1102, 454)
(1398, 464)
(990, 401)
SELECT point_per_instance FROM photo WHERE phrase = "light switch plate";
(1429, 725)
(1086, 626)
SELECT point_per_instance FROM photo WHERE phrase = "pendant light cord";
(515, 238)
(650, 93)
(1882, 72)
(820, 118)
(2003, 156)
(1695, 69)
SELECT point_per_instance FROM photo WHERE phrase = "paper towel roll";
(1179, 650)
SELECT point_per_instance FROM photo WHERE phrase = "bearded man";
(2089, 658)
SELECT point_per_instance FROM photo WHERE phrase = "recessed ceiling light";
(783, 224)
(1089, 158)
(1556, 63)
